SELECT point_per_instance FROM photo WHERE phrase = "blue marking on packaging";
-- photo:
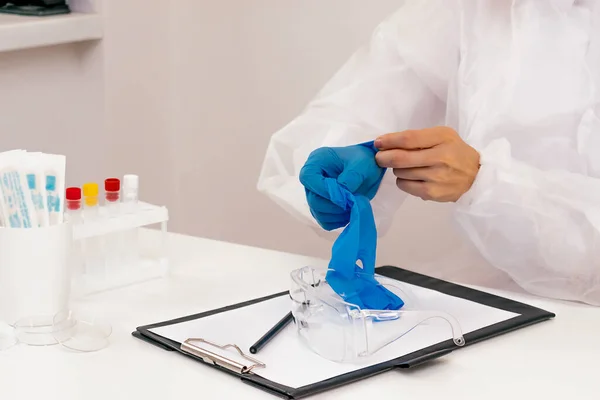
(51, 182)
(14, 221)
(31, 181)
(21, 218)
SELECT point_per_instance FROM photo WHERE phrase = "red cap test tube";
(73, 197)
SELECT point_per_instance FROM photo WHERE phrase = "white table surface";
(558, 359)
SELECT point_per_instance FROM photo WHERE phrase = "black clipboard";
(528, 315)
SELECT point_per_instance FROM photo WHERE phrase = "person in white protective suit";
(491, 105)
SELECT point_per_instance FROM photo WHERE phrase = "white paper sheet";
(289, 362)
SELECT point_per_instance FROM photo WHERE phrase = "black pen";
(271, 333)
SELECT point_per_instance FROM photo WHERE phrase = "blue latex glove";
(339, 183)
(353, 167)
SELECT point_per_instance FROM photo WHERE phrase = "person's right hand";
(353, 167)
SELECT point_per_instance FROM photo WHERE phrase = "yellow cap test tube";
(90, 194)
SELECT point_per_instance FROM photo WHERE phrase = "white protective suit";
(519, 81)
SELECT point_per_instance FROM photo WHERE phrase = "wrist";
(493, 159)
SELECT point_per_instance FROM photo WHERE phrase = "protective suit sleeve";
(542, 227)
(398, 81)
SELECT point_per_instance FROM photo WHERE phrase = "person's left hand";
(433, 164)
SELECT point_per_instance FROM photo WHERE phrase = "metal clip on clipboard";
(214, 358)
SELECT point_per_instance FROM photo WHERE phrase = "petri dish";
(80, 332)
(7, 336)
(35, 331)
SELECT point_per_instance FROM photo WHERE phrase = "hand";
(433, 164)
(353, 167)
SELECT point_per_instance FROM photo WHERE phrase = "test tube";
(114, 240)
(73, 200)
(93, 247)
(73, 210)
(130, 237)
(130, 192)
(112, 186)
(90, 194)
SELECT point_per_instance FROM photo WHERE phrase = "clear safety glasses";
(342, 332)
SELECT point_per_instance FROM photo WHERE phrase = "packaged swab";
(3, 211)
(54, 171)
(34, 172)
(17, 205)
(31, 189)
(4, 217)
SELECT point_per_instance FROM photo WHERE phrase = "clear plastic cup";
(35, 331)
(7, 336)
(80, 332)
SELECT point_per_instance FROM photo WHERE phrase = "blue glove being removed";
(339, 184)
(353, 167)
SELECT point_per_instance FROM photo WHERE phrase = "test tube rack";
(145, 267)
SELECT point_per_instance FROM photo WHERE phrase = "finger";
(415, 188)
(412, 139)
(330, 222)
(330, 226)
(312, 178)
(321, 163)
(399, 158)
(413, 174)
(427, 174)
(323, 205)
(351, 179)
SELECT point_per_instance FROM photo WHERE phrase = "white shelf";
(23, 32)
